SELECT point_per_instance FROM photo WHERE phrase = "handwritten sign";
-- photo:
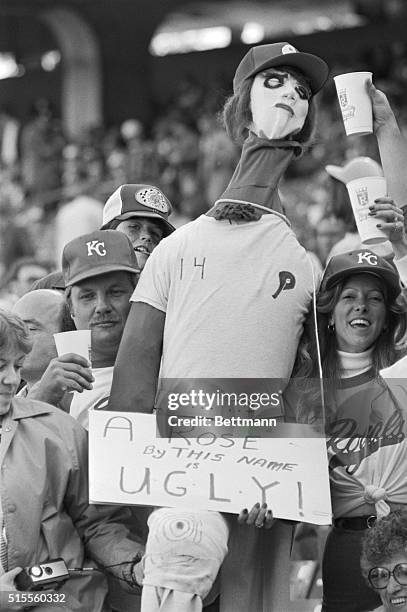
(129, 465)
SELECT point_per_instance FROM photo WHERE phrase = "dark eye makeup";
(273, 80)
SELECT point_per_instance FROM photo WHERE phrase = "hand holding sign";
(258, 516)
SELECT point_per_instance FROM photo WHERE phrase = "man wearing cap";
(141, 212)
(225, 297)
(100, 273)
(105, 264)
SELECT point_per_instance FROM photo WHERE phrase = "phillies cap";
(281, 54)
(97, 253)
(138, 201)
(355, 262)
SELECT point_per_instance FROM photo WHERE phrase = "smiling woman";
(359, 316)
(360, 326)
(15, 343)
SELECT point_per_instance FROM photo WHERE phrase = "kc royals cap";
(97, 253)
(138, 201)
(355, 262)
(281, 54)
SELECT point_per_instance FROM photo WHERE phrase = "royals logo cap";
(281, 54)
(97, 253)
(134, 200)
(355, 262)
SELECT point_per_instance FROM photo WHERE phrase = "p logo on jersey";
(286, 281)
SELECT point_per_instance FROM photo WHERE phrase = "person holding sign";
(225, 297)
(360, 326)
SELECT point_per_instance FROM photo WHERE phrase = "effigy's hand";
(259, 516)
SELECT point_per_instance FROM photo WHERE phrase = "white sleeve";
(401, 265)
(154, 282)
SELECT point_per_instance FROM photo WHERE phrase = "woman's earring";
(331, 326)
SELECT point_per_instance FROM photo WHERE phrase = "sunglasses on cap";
(379, 577)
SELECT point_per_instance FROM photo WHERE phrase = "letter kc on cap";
(97, 253)
(356, 262)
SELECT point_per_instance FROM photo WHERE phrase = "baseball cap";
(281, 54)
(134, 200)
(357, 167)
(354, 262)
(53, 280)
(97, 253)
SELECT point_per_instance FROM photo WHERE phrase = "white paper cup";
(362, 193)
(78, 341)
(355, 103)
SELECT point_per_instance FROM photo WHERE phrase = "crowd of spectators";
(185, 151)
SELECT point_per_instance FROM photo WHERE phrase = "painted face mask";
(279, 104)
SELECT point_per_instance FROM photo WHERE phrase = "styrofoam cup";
(362, 192)
(355, 103)
(78, 341)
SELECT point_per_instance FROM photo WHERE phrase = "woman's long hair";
(237, 114)
(388, 348)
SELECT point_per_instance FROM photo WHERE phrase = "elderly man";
(48, 376)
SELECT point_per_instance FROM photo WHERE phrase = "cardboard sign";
(129, 465)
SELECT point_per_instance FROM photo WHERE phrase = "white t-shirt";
(235, 298)
(96, 399)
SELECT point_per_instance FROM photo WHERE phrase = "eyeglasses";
(379, 577)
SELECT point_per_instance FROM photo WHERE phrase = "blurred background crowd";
(53, 184)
